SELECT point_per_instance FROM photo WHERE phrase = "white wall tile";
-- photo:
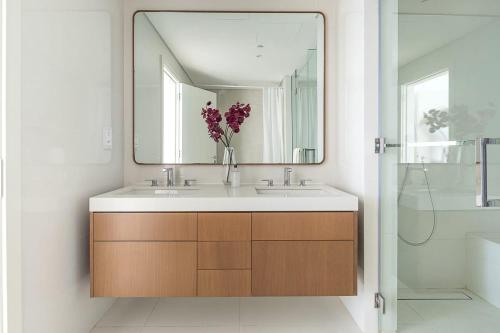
(72, 86)
(438, 264)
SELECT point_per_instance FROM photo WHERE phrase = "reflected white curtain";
(306, 117)
(274, 118)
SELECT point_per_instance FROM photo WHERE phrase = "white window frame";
(165, 71)
(404, 111)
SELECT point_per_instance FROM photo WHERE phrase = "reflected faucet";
(286, 176)
(170, 176)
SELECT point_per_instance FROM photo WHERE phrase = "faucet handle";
(303, 182)
(270, 182)
(154, 182)
(189, 182)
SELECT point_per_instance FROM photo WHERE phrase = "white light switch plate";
(107, 137)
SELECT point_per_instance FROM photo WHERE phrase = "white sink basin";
(292, 192)
(160, 191)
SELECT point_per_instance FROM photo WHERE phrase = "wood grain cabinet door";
(303, 268)
(144, 269)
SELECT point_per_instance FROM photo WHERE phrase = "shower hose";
(434, 222)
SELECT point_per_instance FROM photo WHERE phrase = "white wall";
(247, 143)
(11, 156)
(356, 166)
(72, 87)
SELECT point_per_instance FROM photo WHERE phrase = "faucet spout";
(169, 176)
(286, 176)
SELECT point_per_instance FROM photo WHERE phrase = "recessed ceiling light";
(259, 55)
(260, 46)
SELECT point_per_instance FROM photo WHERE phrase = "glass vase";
(228, 160)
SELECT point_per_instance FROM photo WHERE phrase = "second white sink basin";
(292, 191)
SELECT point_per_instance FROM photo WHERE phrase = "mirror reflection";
(207, 82)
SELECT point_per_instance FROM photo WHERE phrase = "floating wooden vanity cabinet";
(223, 254)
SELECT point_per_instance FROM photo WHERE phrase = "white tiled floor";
(450, 316)
(227, 315)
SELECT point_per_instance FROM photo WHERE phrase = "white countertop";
(206, 198)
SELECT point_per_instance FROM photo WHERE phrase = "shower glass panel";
(440, 84)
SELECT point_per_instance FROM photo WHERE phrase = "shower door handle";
(482, 172)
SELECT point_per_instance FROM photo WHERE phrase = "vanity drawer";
(144, 269)
(224, 283)
(224, 255)
(224, 226)
(145, 226)
(303, 226)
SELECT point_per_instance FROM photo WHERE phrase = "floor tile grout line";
(104, 314)
(239, 314)
(417, 312)
(181, 325)
(408, 304)
(150, 314)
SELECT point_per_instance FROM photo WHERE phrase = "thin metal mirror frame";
(230, 11)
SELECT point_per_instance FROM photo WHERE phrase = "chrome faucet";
(170, 176)
(286, 176)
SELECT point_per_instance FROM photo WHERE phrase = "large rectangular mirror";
(207, 80)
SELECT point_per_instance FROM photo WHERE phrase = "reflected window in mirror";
(272, 61)
(171, 117)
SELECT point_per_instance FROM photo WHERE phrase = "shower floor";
(448, 315)
(408, 294)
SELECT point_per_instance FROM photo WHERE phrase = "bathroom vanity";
(220, 241)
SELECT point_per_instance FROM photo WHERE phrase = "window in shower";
(425, 119)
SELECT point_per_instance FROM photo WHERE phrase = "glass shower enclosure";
(440, 166)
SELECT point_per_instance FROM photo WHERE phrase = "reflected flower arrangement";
(234, 117)
(464, 121)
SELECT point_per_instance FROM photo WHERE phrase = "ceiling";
(456, 7)
(421, 34)
(427, 25)
(223, 48)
